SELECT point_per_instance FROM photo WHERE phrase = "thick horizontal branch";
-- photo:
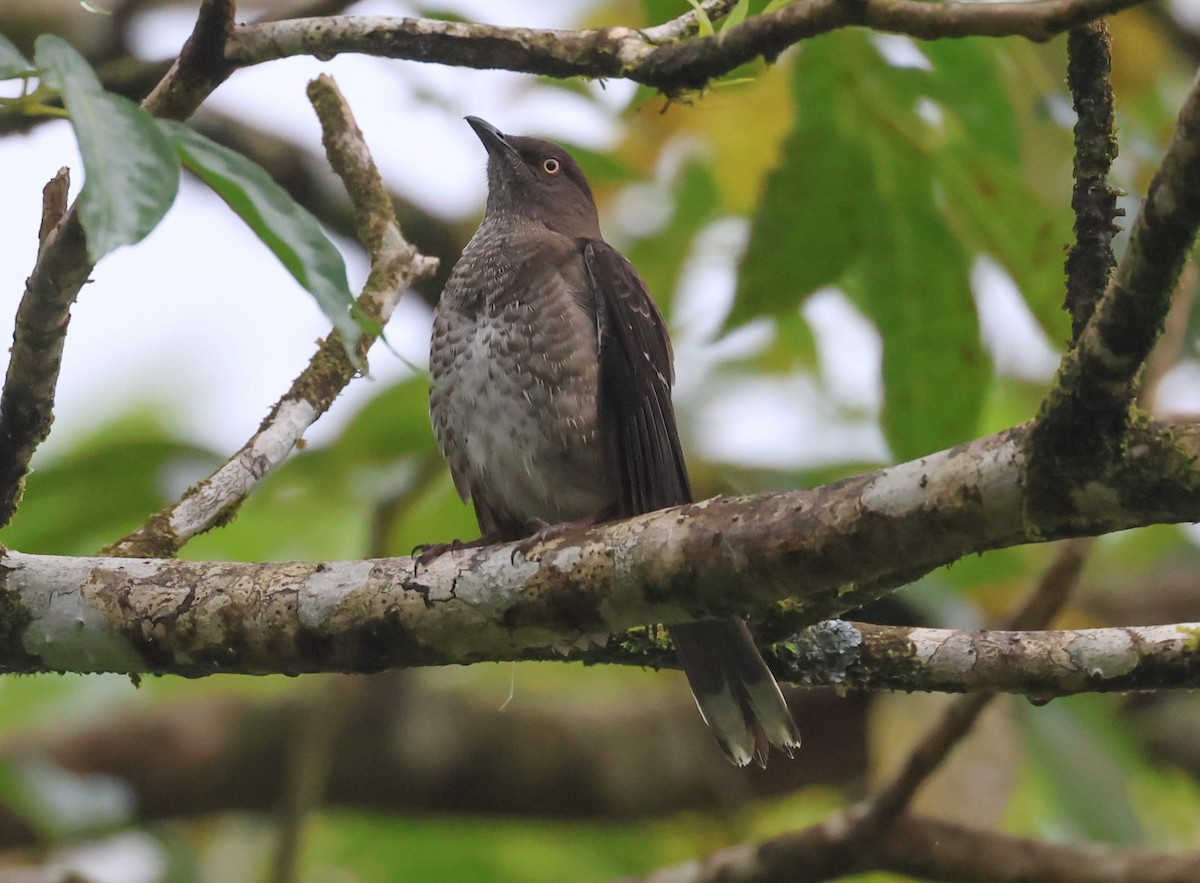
(827, 550)
(670, 57)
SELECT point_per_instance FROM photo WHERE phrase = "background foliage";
(909, 178)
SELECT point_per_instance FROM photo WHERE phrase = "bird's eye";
(551, 166)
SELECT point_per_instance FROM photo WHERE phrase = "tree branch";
(933, 850)
(63, 267)
(875, 814)
(1090, 261)
(827, 550)
(669, 57)
(1083, 422)
(405, 746)
(1040, 664)
(394, 266)
(27, 402)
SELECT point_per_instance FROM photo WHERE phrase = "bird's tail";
(733, 687)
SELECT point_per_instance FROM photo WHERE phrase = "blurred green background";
(870, 204)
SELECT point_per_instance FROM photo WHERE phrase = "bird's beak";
(493, 139)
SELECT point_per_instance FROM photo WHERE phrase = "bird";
(550, 394)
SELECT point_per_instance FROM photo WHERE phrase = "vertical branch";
(27, 403)
(1090, 262)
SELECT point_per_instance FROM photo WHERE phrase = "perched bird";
(551, 399)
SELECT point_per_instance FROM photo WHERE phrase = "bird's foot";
(543, 533)
(426, 553)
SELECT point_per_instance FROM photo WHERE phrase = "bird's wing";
(635, 385)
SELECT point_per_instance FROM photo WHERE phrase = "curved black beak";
(493, 139)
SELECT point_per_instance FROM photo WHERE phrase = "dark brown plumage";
(551, 398)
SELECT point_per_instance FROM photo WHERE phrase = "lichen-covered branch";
(1039, 664)
(1090, 261)
(827, 550)
(1083, 422)
(202, 64)
(27, 402)
(395, 264)
(670, 57)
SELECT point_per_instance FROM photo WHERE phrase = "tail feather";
(734, 690)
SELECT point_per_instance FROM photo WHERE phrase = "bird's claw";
(426, 553)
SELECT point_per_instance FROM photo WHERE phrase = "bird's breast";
(514, 394)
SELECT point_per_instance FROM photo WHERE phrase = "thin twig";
(395, 264)
(54, 203)
(309, 762)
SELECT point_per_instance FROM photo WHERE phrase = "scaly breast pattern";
(514, 370)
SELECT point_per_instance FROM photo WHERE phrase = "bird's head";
(537, 180)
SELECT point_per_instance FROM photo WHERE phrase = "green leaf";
(1085, 760)
(286, 227)
(105, 484)
(916, 287)
(12, 62)
(736, 16)
(702, 20)
(132, 173)
(808, 230)
(857, 203)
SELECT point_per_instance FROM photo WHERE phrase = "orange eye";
(551, 166)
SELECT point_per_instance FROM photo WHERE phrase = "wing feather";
(636, 374)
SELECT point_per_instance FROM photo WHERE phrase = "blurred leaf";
(286, 227)
(916, 287)
(736, 16)
(60, 805)
(661, 257)
(966, 81)
(808, 229)
(108, 483)
(132, 173)
(436, 515)
(793, 346)
(853, 204)
(307, 509)
(601, 167)
(377, 849)
(322, 501)
(702, 19)
(393, 424)
(12, 62)
(1083, 759)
